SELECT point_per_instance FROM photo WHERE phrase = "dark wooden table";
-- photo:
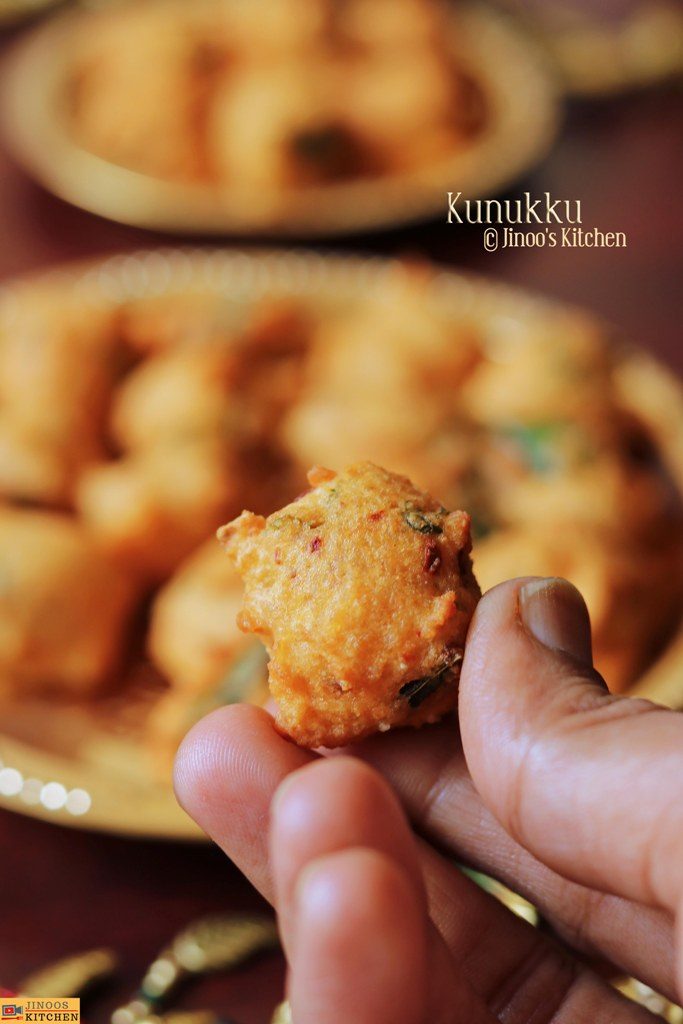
(64, 891)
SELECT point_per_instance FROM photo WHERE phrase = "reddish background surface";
(63, 891)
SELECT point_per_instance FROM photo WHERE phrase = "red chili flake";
(432, 559)
(316, 544)
(374, 516)
(277, 555)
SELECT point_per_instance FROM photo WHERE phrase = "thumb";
(590, 783)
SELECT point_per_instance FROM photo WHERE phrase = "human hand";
(570, 796)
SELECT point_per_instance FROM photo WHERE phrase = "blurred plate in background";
(510, 69)
(607, 48)
(85, 765)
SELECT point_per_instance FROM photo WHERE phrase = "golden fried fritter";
(192, 320)
(197, 422)
(279, 126)
(63, 606)
(33, 468)
(262, 31)
(396, 95)
(195, 642)
(190, 636)
(396, 367)
(135, 97)
(393, 25)
(554, 367)
(151, 509)
(57, 370)
(203, 381)
(174, 397)
(274, 94)
(362, 591)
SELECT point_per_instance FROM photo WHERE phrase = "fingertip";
(497, 607)
(494, 628)
(209, 753)
(341, 783)
(360, 939)
(527, 628)
(194, 764)
(325, 888)
(549, 610)
(319, 895)
(227, 770)
(329, 806)
(555, 614)
(332, 804)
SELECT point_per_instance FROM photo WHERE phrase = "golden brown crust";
(362, 590)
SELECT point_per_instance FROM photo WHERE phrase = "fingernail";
(555, 614)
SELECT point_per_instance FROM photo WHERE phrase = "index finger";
(228, 791)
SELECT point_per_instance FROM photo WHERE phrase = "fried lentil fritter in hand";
(362, 590)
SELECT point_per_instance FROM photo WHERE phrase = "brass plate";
(508, 65)
(597, 55)
(49, 751)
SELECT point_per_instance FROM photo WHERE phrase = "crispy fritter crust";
(362, 591)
